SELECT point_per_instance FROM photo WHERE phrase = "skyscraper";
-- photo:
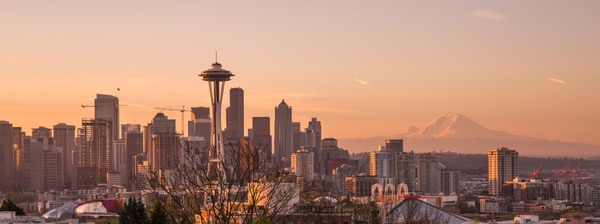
(7, 162)
(106, 107)
(64, 138)
(164, 142)
(41, 132)
(302, 164)
(332, 156)
(164, 151)
(200, 125)
(428, 174)
(298, 136)
(406, 169)
(450, 182)
(95, 139)
(503, 165)
(235, 114)
(18, 140)
(119, 162)
(261, 134)
(381, 164)
(313, 139)
(125, 128)
(283, 135)
(395, 145)
(33, 162)
(52, 163)
(134, 142)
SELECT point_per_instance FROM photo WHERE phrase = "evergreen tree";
(140, 212)
(158, 214)
(133, 213)
(8, 205)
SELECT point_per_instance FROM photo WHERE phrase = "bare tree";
(248, 189)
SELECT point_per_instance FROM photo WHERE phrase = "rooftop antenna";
(216, 57)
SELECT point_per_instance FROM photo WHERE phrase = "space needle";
(216, 78)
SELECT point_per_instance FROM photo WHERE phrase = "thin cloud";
(487, 14)
(557, 80)
(363, 82)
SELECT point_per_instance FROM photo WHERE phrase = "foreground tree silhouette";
(8, 205)
(158, 215)
(133, 213)
(249, 189)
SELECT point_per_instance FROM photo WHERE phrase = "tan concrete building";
(303, 164)
(503, 165)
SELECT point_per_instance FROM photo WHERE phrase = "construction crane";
(182, 110)
(537, 172)
(566, 170)
(84, 106)
(578, 169)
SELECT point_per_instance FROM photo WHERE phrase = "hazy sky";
(364, 68)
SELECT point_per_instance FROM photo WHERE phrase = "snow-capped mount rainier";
(458, 133)
(455, 125)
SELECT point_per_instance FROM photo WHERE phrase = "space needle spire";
(216, 77)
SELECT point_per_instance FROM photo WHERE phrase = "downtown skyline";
(376, 69)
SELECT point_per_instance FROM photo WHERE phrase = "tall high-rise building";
(261, 134)
(164, 142)
(360, 185)
(64, 138)
(283, 135)
(235, 114)
(95, 139)
(7, 163)
(119, 162)
(200, 125)
(134, 142)
(41, 132)
(450, 182)
(106, 107)
(313, 139)
(503, 165)
(302, 164)
(395, 145)
(339, 175)
(160, 124)
(125, 128)
(298, 137)
(33, 162)
(382, 165)
(164, 151)
(428, 174)
(332, 156)
(131, 144)
(52, 163)
(406, 169)
(18, 140)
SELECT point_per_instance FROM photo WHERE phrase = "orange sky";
(364, 68)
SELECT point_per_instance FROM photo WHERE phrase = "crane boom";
(182, 110)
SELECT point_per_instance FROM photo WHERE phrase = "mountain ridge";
(458, 133)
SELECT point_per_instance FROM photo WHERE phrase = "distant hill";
(476, 164)
(457, 133)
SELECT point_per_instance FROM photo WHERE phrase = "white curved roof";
(57, 212)
(326, 199)
(92, 207)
